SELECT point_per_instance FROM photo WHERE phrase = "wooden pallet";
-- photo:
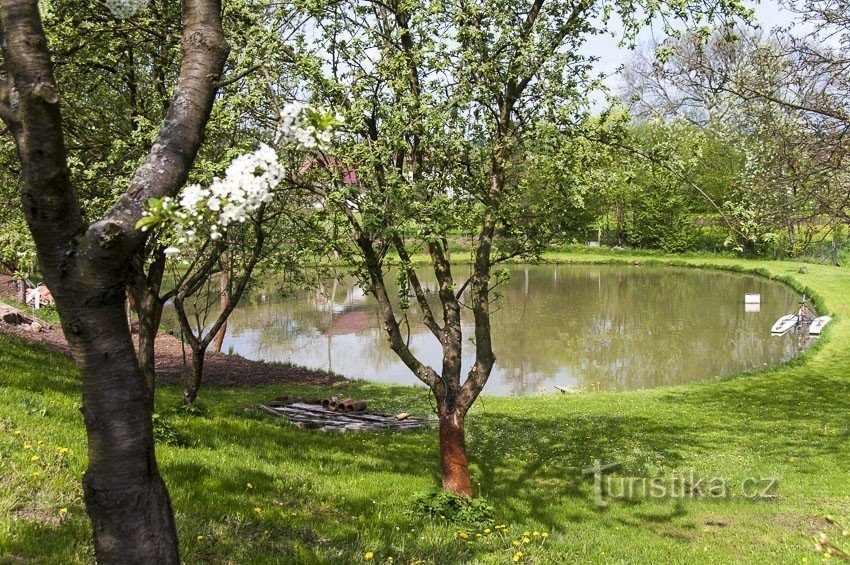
(316, 417)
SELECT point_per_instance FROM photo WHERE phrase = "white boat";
(818, 324)
(785, 323)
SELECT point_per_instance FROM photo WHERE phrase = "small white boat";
(818, 325)
(785, 323)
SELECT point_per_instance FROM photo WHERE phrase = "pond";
(595, 327)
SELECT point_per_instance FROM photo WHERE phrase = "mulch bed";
(219, 369)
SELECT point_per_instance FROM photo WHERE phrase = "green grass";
(332, 498)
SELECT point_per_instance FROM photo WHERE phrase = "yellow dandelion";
(516, 543)
(544, 534)
(526, 533)
(63, 511)
(34, 458)
(36, 474)
(294, 514)
(40, 442)
(62, 450)
(257, 509)
(526, 540)
(469, 543)
(249, 485)
(463, 535)
(536, 533)
(486, 530)
(368, 555)
(478, 535)
(199, 538)
(517, 556)
(27, 446)
(16, 432)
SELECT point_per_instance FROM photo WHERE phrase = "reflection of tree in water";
(625, 327)
(621, 327)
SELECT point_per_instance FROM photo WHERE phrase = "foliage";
(454, 508)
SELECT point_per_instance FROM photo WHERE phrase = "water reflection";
(605, 327)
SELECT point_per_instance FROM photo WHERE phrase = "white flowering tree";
(227, 230)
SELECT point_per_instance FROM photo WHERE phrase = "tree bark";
(149, 304)
(87, 267)
(453, 461)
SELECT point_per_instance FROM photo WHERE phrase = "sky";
(768, 13)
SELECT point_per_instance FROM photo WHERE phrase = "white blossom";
(123, 9)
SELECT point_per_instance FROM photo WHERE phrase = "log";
(356, 406)
(402, 416)
(14, 316)
(343, 406)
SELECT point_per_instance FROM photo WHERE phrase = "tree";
(445, 98)
(780, 101)
(86, 265)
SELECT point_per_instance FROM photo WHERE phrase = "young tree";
(86, 265)
(446, 97)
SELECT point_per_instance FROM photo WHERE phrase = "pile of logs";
(347, 405)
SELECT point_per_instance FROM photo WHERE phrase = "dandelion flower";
(486, 530)
(526, 540)
(368, 555)
(34, 458)
(526, 533)
(27, 446)
(295, 514)
(200, 538)
(63, 511)
(62, 450)
(536, 533)
(516, 543)
(249, 485)
(463, 535)
(544, 534)
(257, 509)
(16, 432)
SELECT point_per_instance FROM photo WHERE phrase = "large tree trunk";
(453, 459)
(126, 499)
(87, 266)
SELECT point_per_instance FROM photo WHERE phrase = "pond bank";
(219, 369)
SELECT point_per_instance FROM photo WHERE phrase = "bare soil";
(219, 369)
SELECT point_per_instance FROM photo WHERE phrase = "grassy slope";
(331, 498)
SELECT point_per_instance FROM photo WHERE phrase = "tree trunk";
(150, 315)
(193, 381)
(22, 291)
(218, 340)
(453, 459)
(126, 499)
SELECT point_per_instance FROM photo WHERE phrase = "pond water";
(588, 326)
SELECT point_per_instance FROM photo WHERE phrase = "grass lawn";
(249, 489)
